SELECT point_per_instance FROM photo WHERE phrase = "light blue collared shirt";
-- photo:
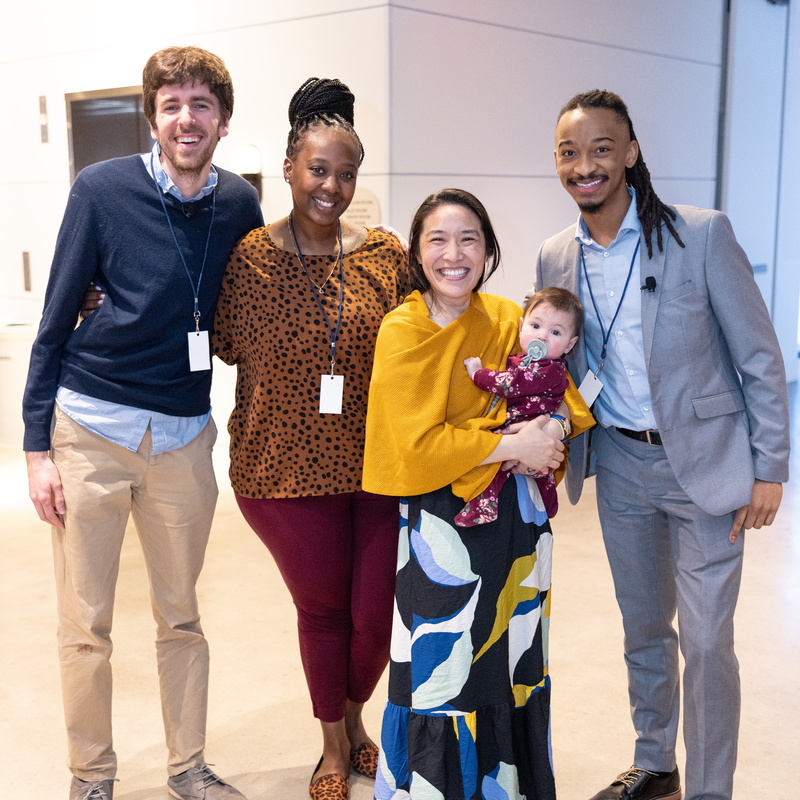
(625, 401)
(152, 163)
(126, 425)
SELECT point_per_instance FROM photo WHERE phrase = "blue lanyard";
(195, 287)
(607, 334)
(333, 332)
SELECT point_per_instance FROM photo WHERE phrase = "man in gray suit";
(692, 443)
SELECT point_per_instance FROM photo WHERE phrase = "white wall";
(476, 89)
(787, 257)
(753, 131)
(270, 49)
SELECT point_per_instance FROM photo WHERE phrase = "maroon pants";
(337, 554)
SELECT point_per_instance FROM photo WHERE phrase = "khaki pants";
(172, 498)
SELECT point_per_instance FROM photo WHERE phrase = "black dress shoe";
(640, 784)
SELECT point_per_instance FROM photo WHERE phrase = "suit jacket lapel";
(571, 267)
(651, 267)
(577, 360)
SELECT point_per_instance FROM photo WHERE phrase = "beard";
(590, 206)
(189, 165)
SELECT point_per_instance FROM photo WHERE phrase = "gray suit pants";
(667, 555)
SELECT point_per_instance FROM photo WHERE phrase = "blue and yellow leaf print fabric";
(468, 716)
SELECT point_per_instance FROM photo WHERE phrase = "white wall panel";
(475, 105)
(46, 27)
(753, 131)
(270, 62)
(787, 261)
(679, 28)
(267, 62)
(473, 98)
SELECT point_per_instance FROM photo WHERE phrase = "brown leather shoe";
(641, 784)
(364, 759)
(329, 787)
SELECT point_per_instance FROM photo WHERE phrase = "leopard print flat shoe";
(364, 759)
(329, 787)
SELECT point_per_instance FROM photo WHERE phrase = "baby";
(533, 383)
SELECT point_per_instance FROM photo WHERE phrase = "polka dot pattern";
(269, 324)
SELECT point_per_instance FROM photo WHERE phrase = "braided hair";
(650, 210)
(321, 101)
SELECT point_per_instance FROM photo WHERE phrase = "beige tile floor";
(261, 734)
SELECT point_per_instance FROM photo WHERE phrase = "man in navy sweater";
(117, 410)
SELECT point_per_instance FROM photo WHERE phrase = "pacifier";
(537, 350)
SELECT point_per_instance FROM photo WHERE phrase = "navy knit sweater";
(133, 350)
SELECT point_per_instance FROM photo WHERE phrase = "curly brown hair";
(184, 65)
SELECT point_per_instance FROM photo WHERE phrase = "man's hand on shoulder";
(44, 484)
(761, 510)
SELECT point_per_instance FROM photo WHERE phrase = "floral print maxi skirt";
(468, 716)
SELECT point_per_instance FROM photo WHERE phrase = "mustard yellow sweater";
(428, 425)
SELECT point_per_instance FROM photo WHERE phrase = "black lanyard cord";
(195, 288)
(333, 332)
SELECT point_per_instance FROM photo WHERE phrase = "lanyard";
(607, 334)
(333, 332)
(195, 287)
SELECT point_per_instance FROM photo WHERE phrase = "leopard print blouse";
(269, 324)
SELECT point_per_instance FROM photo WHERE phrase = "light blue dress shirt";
(625, 400)
(152, 162)
(126, 425)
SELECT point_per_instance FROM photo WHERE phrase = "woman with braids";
(298, 314)
(468, 715)
(692, 442)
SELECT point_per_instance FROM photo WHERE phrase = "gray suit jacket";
(713, 362)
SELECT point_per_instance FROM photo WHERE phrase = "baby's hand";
(473, 365)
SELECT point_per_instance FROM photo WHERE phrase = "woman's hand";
(540, 451)
(552, 429)
(530, 446)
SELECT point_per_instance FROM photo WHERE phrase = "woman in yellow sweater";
(469, 690)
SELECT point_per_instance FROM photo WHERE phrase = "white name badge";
(331, 391)
(199, 354)
(590, 388)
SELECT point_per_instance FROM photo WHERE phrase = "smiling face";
(452, 252)
(593, 150)
(188, 124)
(322, 175)
(553, 327)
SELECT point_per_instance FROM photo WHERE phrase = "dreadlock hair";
(650, 210)
(560, 300)
(321, 101)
